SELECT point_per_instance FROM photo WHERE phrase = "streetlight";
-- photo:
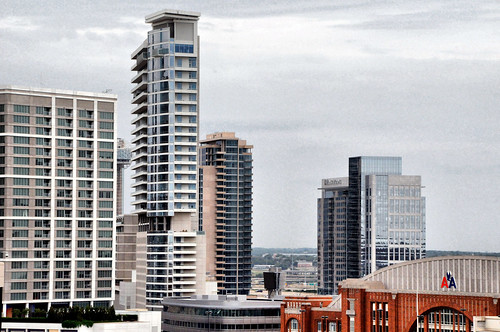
(208, 313)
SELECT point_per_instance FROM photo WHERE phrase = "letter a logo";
(452, 283)
(444, 283)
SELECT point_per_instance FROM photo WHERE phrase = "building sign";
(335, 182)
(448, 281)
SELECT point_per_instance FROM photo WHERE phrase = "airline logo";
(448, 281)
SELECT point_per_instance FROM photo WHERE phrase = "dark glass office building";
(385, 220)
(332, 234)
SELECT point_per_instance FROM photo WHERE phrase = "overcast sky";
(309, 84)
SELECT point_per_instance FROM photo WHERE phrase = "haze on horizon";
(309, 84)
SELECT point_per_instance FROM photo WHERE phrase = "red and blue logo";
(448, 281)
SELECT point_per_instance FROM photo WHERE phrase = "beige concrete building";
(226, 210)
(126, 259)
(486, 323)
(57, 197)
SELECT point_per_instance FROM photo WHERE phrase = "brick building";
(433, 294)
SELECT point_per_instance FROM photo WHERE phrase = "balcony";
(143, 127)
(141, 76)
(141, 108)
(140, 98)
(141, 86)
(140, 117)
(141, 61)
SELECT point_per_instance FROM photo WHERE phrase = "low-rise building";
(220, 313)
(432, 294)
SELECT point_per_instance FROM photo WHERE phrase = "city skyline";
(309, 85)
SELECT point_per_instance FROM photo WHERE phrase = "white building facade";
(57, 196)
(164, 158)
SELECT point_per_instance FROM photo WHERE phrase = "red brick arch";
(433, 307)
(299, 322)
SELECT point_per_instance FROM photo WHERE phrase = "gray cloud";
(309, 84)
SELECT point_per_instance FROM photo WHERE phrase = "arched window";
(443, 320)
(293, 325)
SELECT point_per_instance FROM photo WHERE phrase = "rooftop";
(46, 91)
(172, 14)
(223, 302)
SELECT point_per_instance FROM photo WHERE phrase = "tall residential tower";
(57, 197)
(383, 217)
(165, 157)
(226, 210)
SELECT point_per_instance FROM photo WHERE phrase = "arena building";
(431, 295)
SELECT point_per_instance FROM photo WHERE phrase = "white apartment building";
(57, 197)
(166, 94)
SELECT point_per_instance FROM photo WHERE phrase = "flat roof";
(223, 302)
(73, 93)
(171, 13)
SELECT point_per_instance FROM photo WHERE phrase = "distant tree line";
(283, 261)
(282, 258)
(258, 251)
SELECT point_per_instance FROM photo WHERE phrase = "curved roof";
(471, 274)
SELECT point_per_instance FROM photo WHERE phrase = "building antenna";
(107, 91)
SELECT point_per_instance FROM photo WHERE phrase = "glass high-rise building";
(359, 213)
(166, 120)
(226, 210)
(57, 197)
(164, 158)
(332, 234)
(385, 214)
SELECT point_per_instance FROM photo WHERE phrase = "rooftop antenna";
(107, 91)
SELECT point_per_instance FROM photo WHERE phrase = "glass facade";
(385, 221)
(171, 124)
(165, 148)
(332, 235)
(358, 232)
(231, 161)
(166, 124)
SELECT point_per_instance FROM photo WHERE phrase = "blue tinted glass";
(183, 48)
